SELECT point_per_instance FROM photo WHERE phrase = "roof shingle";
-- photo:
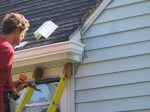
(67, 14)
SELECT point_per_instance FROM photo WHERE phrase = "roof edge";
(94, 15)
(49, 56)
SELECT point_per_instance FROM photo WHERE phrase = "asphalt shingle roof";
(67, 14)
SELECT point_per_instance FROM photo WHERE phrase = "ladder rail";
(58, 93)
(66, 75)
(26, 99)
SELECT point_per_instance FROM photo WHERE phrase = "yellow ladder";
(66, 75)
(37, 75)
(26, 99)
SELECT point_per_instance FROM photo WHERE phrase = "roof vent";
(45, 30)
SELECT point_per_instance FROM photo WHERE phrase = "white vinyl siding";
(115, 73)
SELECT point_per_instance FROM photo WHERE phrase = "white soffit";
(47, 56)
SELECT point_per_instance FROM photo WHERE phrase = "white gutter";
(47, 56)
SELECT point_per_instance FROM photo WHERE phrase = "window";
(40, 100)
(43, 99)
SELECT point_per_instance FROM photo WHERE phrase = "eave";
(47, 56)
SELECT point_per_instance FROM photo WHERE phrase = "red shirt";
(6, 61)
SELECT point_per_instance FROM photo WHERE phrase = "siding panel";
(117, 39)
(121, 12)
(115, 73)
(143, 110)
(122, 91)
(125, 104)
(111, 66)
(117, 52)
(117, 3)
(118, 26)
(112, 79)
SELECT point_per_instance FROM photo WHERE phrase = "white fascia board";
(95, 14)
(48, 55)
(76, 36)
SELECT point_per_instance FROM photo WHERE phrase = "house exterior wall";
(115, 73)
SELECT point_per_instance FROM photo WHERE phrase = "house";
(112, 74)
